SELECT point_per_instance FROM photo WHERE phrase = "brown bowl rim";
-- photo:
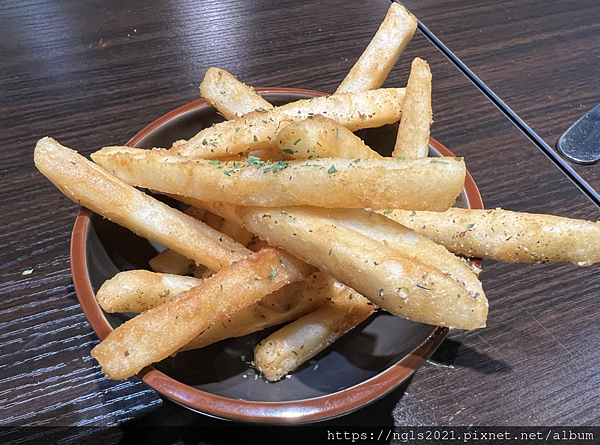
(296, 411)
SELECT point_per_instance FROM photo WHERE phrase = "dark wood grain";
(542, 58)
(93, 73)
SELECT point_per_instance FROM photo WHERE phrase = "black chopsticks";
(512, 116)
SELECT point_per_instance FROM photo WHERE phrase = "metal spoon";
(581, 142)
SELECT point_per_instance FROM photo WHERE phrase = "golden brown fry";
(140, 290)
(431, 184)
(508, 236)
(229, 96)
(272, 153)
(409, 244)
(396, 283)
(412, 141)
(373, 66)
(286, 304)
(157, 333)
(322, 137)
(257, 130)
(236, 232)
(92, 187)
(171, 262)
(289, 347)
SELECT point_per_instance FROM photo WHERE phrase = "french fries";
(228, 228)
(412, 141)
(421, 184)
(392, 281)
(157, 333)
(289, 347)
(171, 262)
(296, 178)
(282, 306)
(92, 187)
(508, 236)
(373, 66)
(140, 290)
(409, 243)
(229, 96)
(322, 137)
(258, 130)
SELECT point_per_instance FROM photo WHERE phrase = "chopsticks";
(513, 117)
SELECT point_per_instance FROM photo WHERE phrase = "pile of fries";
(294, 220)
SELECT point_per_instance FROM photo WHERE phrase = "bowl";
(361, 367)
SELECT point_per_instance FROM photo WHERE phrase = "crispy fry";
(412, 141)
(229, 96)
(92, 187)
(409, 243)
(236, 232)
(393, 281)
(508, 236)
(257, 130)
(171, 262)
(289, 347)
(140, 290)
(431, 184)
(282, 306)
(228, 228)
(322, 137)
(373, 66)
(157, 333)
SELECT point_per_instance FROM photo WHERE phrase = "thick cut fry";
(171, 262)
(373, 66)
(420, 184)
(289, 347)
(228, 228)
(140, 290)
(156, 334)
(396, 283)
(412, 141)
(322, 137)
(92, 187)
(409, 244)
(282, 306)
(508, 236)
(229, 96)
(257, 130)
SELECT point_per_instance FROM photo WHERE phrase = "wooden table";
(92, 74)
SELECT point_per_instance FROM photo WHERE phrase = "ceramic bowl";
(358, 369)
